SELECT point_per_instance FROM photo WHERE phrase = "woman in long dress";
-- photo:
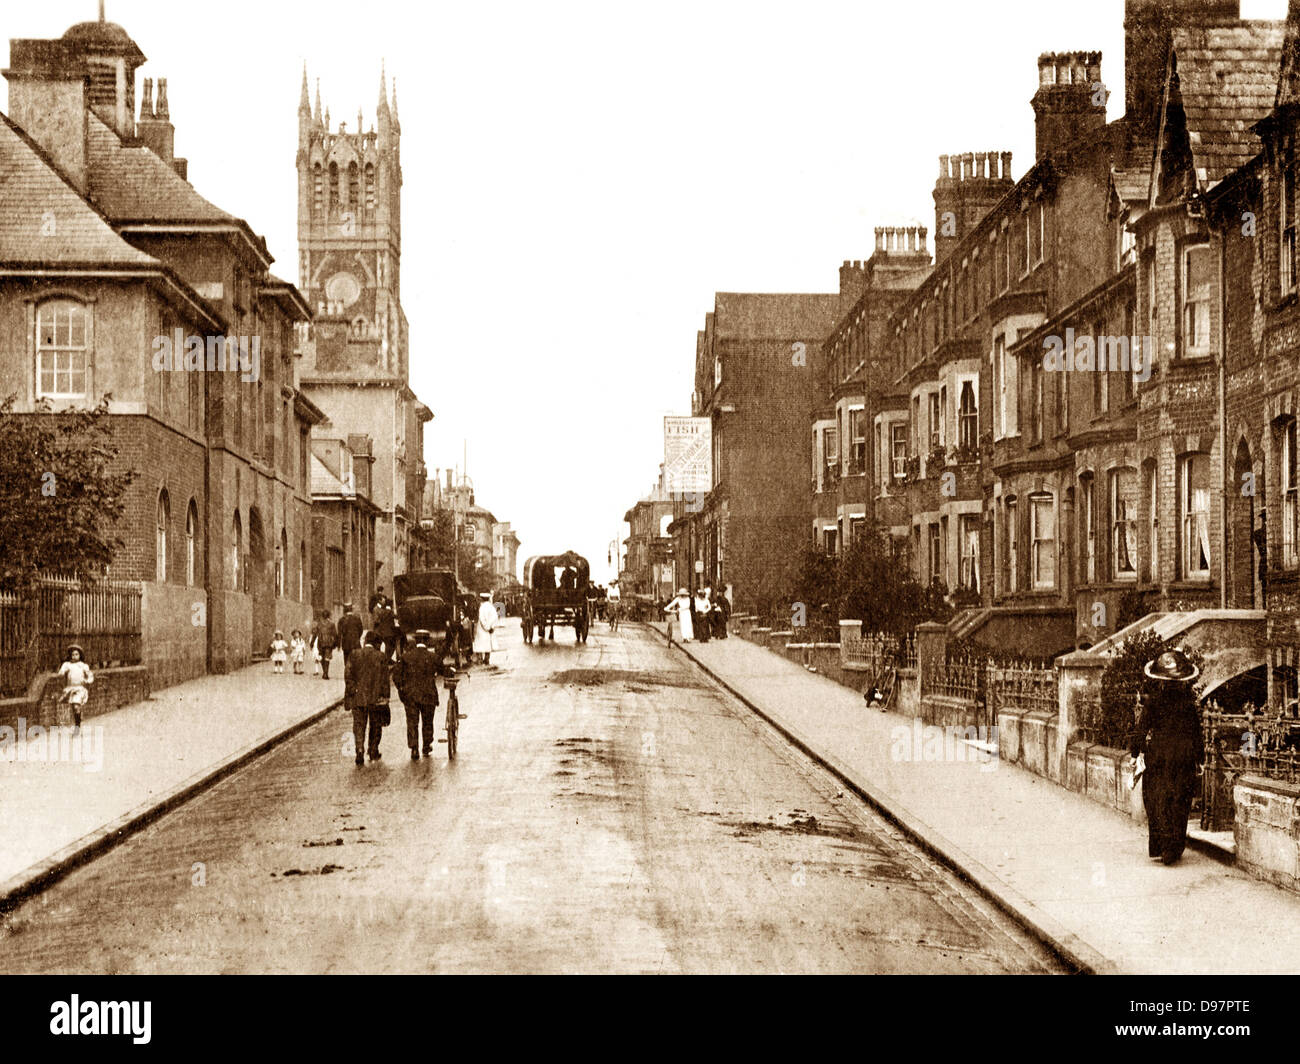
(680, 607)
(483, 628)
(1168, 736)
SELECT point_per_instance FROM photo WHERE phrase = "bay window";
(1194, 516)
(1042, 533)
(1198, 275)
(61, 350)
(1123, 524)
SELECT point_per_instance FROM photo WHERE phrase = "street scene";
(646, 587)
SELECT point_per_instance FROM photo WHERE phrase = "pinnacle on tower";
(304, 103)
(317, 115)
(383, 88)
(397, 122)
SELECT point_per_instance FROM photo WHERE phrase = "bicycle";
(449, 684)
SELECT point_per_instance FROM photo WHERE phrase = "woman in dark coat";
(1169, 736)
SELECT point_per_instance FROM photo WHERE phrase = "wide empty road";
(610, 811)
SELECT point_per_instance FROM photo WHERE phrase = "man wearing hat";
(349, 629)
(1168, 735)
(367, 692)
(415, 677)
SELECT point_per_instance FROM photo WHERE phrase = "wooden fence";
(104, 618)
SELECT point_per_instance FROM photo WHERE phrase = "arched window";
(1123, 524)
(191, 531)
(354, 185)
(236, 554)
(61, 350)
(334, 185)
(370, 186)
(318, 187)
(160, 540)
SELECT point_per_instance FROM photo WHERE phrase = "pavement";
(610, 810)
(61, 807)
(1074, 872)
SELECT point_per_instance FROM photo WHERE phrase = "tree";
(61, 493)
(878, 588)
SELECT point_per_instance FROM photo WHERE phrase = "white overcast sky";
(580, 178)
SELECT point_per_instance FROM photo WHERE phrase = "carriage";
(556, 593)
(433, 600)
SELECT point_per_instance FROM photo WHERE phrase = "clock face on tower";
(343, 288)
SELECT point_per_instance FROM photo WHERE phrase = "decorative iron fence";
(877, 651)
(992, 686)
(104, 618)
(1258, 742)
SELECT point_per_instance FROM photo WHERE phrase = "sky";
(581, 178)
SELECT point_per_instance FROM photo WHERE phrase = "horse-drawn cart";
(556, 588)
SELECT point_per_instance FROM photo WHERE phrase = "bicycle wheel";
(453, 725)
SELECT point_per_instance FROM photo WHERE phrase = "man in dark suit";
(384, 624)
(327, 638)
(350, 629)
(367, 692)
(415, 677)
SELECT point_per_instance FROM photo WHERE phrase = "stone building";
(343, 524)
(117, 277)
(355, 353)
(647, 572)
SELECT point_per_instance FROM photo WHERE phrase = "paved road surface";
(611, 811)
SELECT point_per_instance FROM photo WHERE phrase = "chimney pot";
(162, 109)
(146, 99)
(943, 167)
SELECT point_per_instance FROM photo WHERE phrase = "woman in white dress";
(681, 607)
(487, 621)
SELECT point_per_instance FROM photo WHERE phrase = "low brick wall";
(1267, 829)
(112, 689)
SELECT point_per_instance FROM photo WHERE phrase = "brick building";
(343, 524)
(109, 259)
(355, 353)
(755, 373)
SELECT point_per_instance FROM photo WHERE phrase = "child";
(278, 652)
(297, 650)
(78, 678)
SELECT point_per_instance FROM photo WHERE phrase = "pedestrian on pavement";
(367, 692)
(680, 611)
(1168, 736)
(721, 615)
(76, 678)
(484, 627)
(703, 619)
(377, 598)
(415, 677)
(297, 650)
(279, 652)
(327, 638)
(350, 629)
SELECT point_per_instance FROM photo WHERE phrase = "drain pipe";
(1225, 495)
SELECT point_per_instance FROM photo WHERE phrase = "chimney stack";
(155, 128)
(1070, 103)
(968, 186)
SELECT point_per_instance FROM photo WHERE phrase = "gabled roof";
(36, 199)
(1228, 81)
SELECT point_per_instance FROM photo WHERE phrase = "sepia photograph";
(697, 489)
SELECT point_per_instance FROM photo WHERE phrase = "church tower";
(355, 351)
(350, 240)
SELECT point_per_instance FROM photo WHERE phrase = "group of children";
(294, 650)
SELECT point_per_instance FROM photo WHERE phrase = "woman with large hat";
(1168, 736)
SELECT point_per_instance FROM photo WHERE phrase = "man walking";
(349, 629)
(484, 627)
(367, 692)
(415, 677)
(327, 638)
(384, 625)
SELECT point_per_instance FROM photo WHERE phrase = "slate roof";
(1131, 186)
(32, 192)
(764, 316)
(132, 184)
(1228, 79)
(1288, 85)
